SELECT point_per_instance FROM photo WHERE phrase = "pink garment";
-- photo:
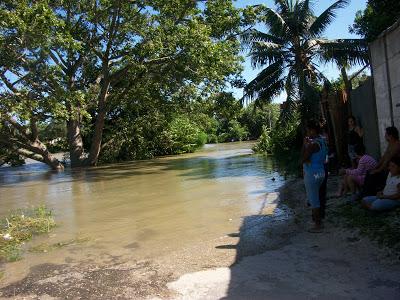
(365, 164)
(359, 179)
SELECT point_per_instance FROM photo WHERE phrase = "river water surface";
(142, 209)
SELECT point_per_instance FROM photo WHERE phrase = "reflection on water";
(152, 205)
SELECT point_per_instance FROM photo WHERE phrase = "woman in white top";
(389, 198)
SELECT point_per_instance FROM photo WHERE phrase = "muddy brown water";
(140, 209)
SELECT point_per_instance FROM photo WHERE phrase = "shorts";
(378, 204)
(359, 179)
(313, 182)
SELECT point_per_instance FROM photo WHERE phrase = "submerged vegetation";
(46, 247)
(19, 227)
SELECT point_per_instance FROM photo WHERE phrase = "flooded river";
(144, 209)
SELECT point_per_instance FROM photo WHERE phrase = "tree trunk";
(99, 125)
(39, 152)
(27, 144)
(52, 161)
(75, 143)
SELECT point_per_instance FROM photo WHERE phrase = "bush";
(235, 132)
(285, 136)
(264, 144)
(185, 136)
(282, 138)
(255, 118)
(212, 139)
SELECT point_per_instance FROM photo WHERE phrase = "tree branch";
(9, 85)
(31, 155)
(22, 129)
(34, 129)
(57, 61)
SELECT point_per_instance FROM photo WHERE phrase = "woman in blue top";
(314, 156)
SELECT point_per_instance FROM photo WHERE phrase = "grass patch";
(19, 227)
(382, 227)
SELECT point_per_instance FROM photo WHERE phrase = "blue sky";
(338, 29)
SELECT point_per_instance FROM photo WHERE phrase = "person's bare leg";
(345, 185)
(316, 212)
(341, 188)
(351, 184)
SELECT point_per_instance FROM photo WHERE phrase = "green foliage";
(11, 158)
(19, 227)
(283, 138)
(264, 143)
(378, 16)
(54, 133)
(207, 124)
(56, 68)
(339, 85)
(185, 136)
(255, 118)
(235, 132)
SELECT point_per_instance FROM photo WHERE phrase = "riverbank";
(270, 256)
(340, 263)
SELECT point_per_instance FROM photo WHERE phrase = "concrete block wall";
(363, 108)
(385, 61)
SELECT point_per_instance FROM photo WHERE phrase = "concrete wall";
(385, 60)
(363, 108)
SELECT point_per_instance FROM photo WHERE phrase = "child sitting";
(354, 178)
(389, 198)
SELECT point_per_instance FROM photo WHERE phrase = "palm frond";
(306, 14)
(344, 51)
(284, 5)
(323, 20)
(266, 53)
(251, 36)
(291, 86)
(274, 90)
(275, 22)
(268, 83)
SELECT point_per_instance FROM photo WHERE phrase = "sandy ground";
(336, 264)
(268, 258)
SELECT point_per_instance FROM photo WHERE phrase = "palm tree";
(292, 49)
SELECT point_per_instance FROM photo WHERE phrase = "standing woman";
(314, 155)
(323, 189)
(354, 138)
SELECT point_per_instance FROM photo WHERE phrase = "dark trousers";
(322, 192)
(374, 183)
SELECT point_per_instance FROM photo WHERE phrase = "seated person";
(375, 180)
(389, 198)
(354, 178)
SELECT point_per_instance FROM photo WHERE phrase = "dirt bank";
(337, 264)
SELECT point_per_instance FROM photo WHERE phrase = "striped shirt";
(365, 164)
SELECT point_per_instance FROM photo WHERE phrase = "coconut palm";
(293, 47)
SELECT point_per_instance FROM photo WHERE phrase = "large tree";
(77, 60)
(290, 50)
(378, 16)
(26, 99)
